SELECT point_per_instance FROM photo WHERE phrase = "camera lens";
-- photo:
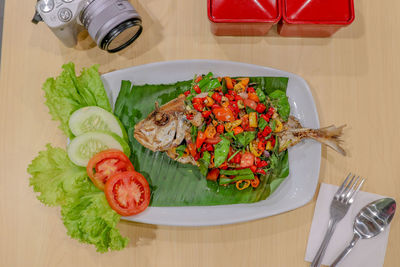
(122, 36)
(113, 24)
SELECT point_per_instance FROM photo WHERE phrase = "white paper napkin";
(366, 253)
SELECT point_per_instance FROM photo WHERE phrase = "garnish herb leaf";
(246, 137)
(281, 102)
(262, 123)
(272, 125)
(193, 133)
(230, 135)
(249, 110)
(180, 150)
(214, 83)
(205, 81)
(221, 152)
(204, 163)
(260, 94)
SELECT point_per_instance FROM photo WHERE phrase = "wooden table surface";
(354, 77)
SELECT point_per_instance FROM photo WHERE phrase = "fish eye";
(161, 119)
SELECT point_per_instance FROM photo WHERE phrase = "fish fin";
(330, 136)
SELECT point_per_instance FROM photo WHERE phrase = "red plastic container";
(243, 17)
(315, 18)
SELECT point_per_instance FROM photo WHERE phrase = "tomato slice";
(247, 160)
(213, 141)
(213, 175)
(128, 193)
(223, 114)
(250, 103)
(105, 164)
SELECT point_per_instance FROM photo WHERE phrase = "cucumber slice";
(92, 118)
(83, 147)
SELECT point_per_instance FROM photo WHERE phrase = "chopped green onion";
(234, 154)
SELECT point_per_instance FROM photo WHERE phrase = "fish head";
(160, 130)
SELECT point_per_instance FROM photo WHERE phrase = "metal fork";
(340, 204)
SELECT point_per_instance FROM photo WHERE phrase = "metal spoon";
(369, 222)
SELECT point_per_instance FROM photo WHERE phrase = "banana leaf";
(176, 184)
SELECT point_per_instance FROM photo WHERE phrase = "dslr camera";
(112, 24)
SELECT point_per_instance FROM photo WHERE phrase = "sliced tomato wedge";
(247, 160)
(213, 141)
(213, 175)
(223, 114)
(250, 103)
(105, 164)
(128, 193)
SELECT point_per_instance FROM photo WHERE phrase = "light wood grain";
(354, 77)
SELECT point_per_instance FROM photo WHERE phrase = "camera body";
(105, 21)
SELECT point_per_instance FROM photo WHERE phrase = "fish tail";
(330, 136)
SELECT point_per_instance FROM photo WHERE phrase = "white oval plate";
(304, 158)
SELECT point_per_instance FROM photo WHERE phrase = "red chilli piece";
(262, 164)
(267, 130)
(215, 106)
(203, 147)
(265, 117)
(189, 116)
(261, 108)
(197, 89)
(209, 147)
(253, 168)
(197, 100)
(230, 97)
(198, 107)
(198, 79)
(273, 141)
(270, 112)
(206, 113)
(224, 166)
(236, 158)
(187, 93)
(261, 171)
(251, 90)
(217, 97)
(260, 136)
(220, 129)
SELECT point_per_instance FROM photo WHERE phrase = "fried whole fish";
(166, 127)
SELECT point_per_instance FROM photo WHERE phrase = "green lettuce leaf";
(88, 218)
(84, 208)
(69, 92)
(54, 176)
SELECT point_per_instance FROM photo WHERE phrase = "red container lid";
(244, 10)
(318, 11)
